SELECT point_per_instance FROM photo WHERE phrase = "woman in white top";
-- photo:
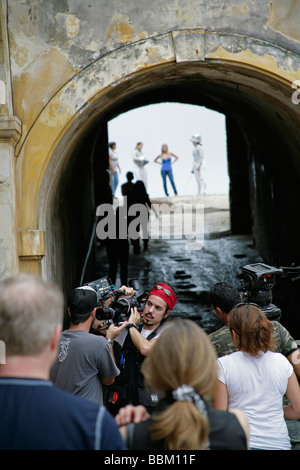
(254, 379)
(198, 163)
(140, 161)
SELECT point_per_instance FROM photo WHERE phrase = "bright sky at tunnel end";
(173, 124)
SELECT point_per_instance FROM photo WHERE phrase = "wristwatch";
(110, 341)
(130, 325)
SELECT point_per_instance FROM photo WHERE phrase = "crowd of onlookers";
(150, 383)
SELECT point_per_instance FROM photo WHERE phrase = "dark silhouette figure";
(117, 248)
(126, 188)
(139, 195)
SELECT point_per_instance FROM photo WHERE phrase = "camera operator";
(84, 360)
(135, 342)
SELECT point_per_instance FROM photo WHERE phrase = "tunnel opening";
(172, 124)
(263, 192)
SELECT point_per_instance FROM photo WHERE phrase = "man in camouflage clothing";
(223, 299)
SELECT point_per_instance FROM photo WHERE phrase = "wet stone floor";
(192, 272)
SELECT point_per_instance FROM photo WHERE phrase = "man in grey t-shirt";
(84, 361)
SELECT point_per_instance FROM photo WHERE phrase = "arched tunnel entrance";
(263, 165)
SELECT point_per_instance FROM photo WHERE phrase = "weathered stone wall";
(71, 65)
(51, 41)
(10, 131)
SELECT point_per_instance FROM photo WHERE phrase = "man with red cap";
(136, 340)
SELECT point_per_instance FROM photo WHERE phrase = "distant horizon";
(173, 124)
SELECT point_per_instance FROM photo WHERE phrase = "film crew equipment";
(103, 287)
(120, 307)
(258, 280)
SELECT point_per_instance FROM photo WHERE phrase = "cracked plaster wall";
(63, 53)
(51, 41)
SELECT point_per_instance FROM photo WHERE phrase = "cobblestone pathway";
(192, 272)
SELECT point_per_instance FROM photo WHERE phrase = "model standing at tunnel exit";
(166, 161)
(198, 163)
(140, 161)
(114, 166)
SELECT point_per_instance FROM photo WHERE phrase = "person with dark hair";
(138, 196)
(254, 379)
(117, 249)
(84, 361)
(136, 342)
(114, 166)
(127, 187)
(223, 299)
(36, 415)
(182, 366)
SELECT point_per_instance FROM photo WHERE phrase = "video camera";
(120, 307)
(258, 280)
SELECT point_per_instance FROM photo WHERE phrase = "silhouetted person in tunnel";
(126, 188)
(113, 230)
(104, 191)
(117, 250)
(139, 195)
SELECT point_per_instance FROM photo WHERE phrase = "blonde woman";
(165, 159)
(182, 368)
(255, 379)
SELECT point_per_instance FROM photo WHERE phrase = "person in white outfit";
(198, 163)
(140, 161)
(254, 379)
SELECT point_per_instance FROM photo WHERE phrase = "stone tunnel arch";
(263, 143)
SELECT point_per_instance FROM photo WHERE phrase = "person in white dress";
(198, 163)
(140, 162)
